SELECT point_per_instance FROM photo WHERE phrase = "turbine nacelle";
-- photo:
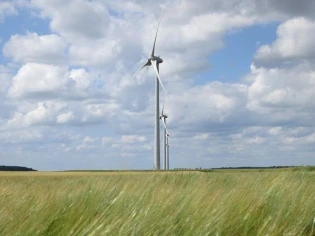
(163, 116)
(155, 58)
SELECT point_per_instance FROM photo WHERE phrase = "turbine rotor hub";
(156, 58)
(163, 116)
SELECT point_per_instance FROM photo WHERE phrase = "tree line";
(15, 168)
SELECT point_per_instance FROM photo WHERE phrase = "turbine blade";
(153, 49)
(164, 125)
(148, 63)
(163, 109)
(158, 76)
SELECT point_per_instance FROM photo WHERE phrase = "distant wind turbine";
(154, 61)
(166, 145)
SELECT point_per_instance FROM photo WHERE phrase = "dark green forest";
(15, 168)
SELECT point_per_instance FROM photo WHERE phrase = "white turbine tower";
(167, 152)
(166, 145)
(154, 61)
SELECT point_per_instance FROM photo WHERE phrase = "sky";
(240, 77)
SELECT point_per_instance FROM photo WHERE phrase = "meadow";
(158, 203)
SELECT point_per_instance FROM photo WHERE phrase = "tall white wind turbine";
(155, 61)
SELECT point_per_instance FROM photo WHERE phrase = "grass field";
(158, 203)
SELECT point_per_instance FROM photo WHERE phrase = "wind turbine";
(167, 152)
(166, 145)
(155, 61)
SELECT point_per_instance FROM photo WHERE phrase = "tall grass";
(194, 203)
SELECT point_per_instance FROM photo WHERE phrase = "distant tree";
(15, 168)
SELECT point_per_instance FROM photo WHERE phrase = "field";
(158, 203)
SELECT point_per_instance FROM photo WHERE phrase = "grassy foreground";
(193, 203)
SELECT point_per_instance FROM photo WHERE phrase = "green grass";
(165, 203)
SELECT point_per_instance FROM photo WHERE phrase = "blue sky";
(21, 23)
(232, 62)
(240, 81)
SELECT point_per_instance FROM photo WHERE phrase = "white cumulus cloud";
(293, 43)
(36, 48)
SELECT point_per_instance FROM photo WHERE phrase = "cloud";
(293, 44)
(5, 77)
(294, 8)
(87, 143)
(267, 10)
(185, 45)
(43, 81)
(65, 117)
(75, 20)
(20, 136)
(96, 53)
(6, 109)
(205, 107)
(39, 80)
(54, 112)
(201, 136)
(106, 140)
(35, 48)
(132, 138)
(7, 8)
(294, 139)
(81, 78)
(283, 95)
(282, 78)
(43, 114)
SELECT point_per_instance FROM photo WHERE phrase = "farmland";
(158, 203)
